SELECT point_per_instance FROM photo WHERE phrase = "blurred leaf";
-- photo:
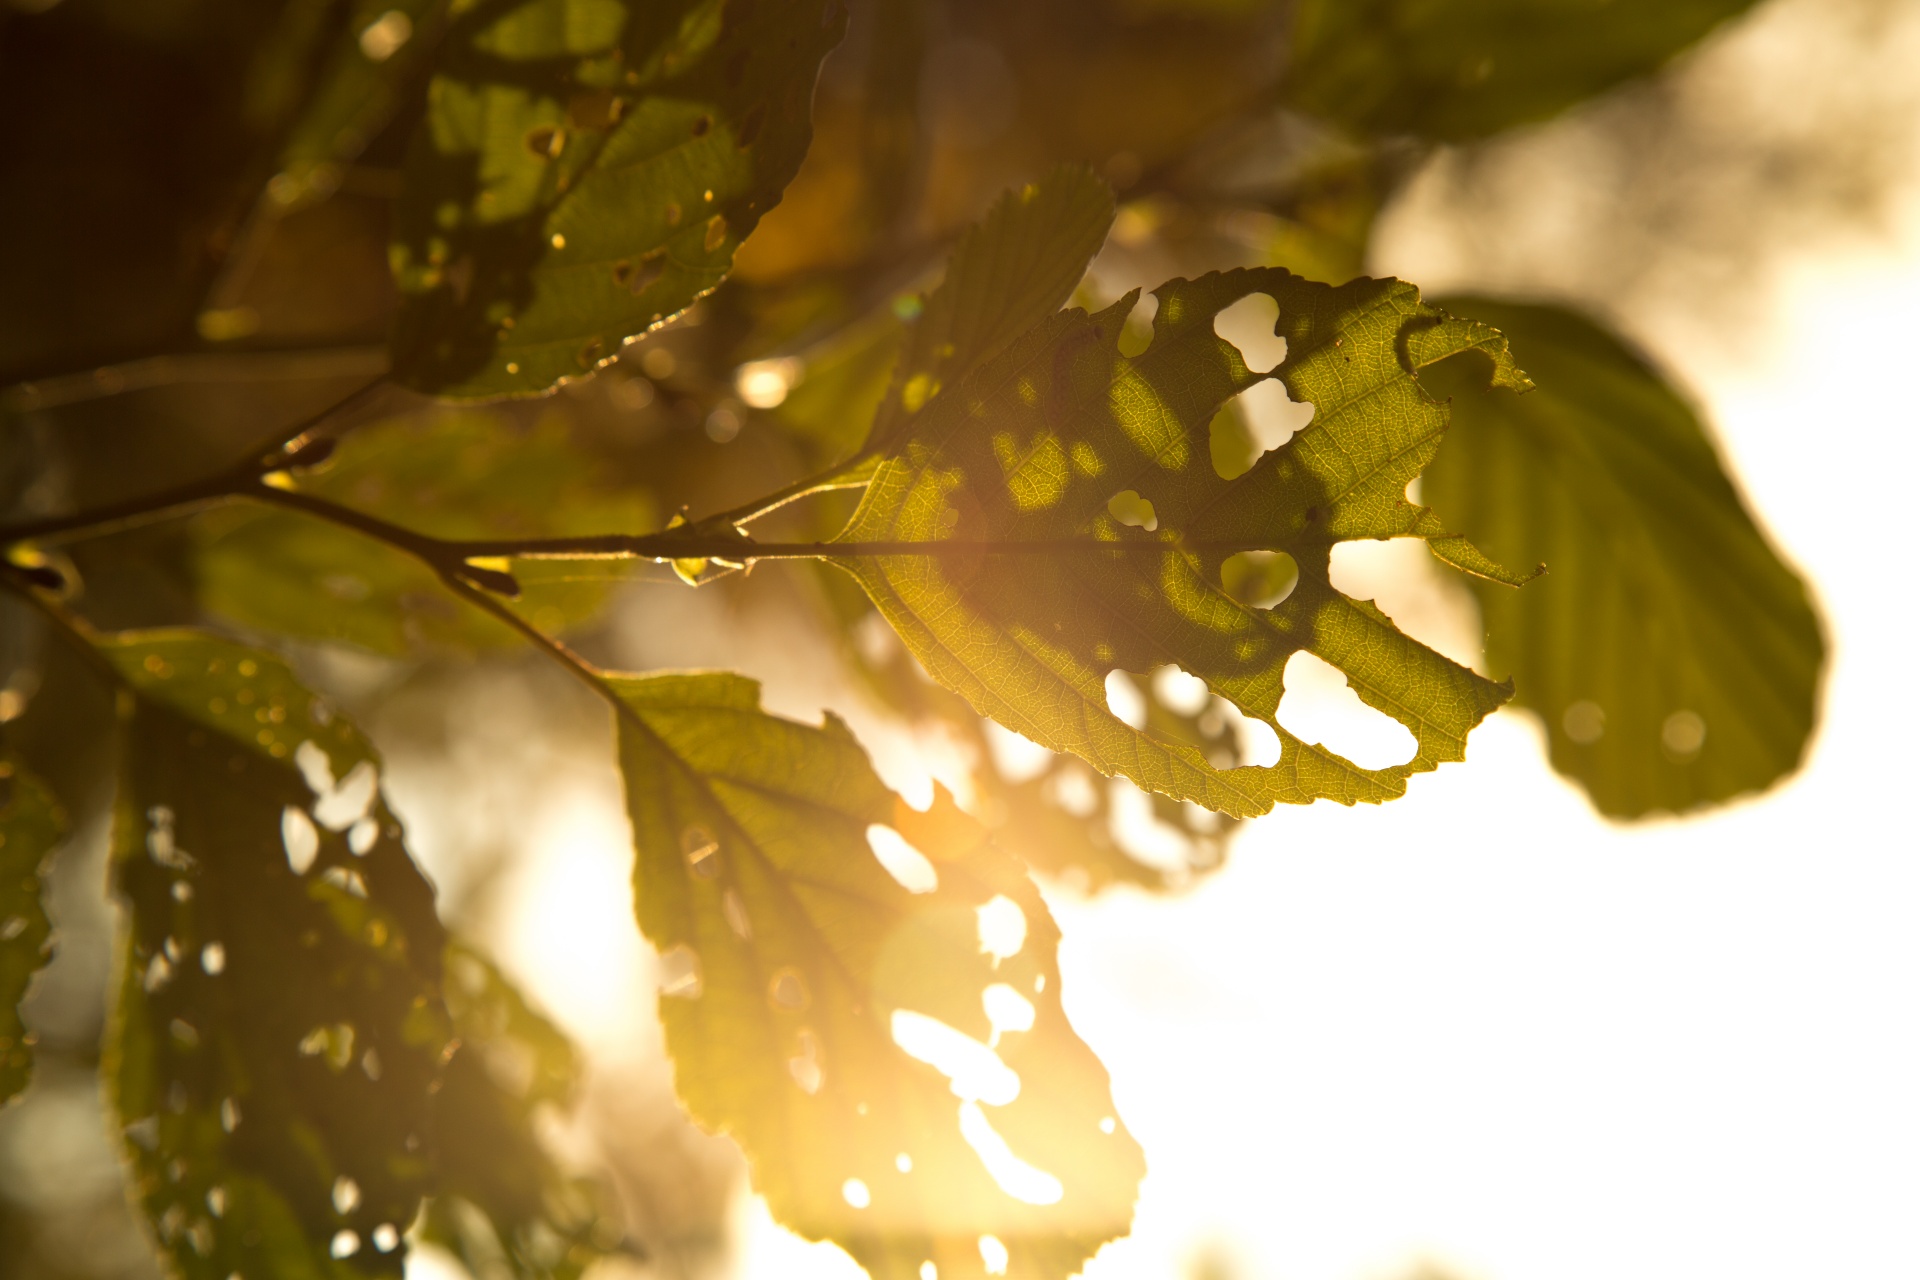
(586, 169)
(279, 1025)
(1673, 656)
(501, 1202)
(1015, 268)
(31, 823)
(380, 47)
(1461, 69)
(831, 407)
(1045, 591)
(453, 475)
(808, 995)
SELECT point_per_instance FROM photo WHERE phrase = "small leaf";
(31, 823)
(279, 1023)
(1462, 69)
(1015, 268)
(585, 171)
(885, 1040)
(1044, 591)
(499, 1194)
(1673, 656)
(469, 474)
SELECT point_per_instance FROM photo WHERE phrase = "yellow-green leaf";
(279, 1024)
(1672, 654)
(31, 823)
(1031, 590)
(1457, 69)
(885, 1041)
(586, 170)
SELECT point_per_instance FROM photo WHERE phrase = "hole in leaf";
(906, 864)
(345, 1244)
(1180, 691)
(1137, 335)
(702, 851)
(341, 806)
(804, 1066)
(1319, 706)
(1129, 508)
(1125, 700)
(386, 1237)
(1015, 1176)
(314, 766)
(680, 972)
(1015, 758)
(1003, 927)
(346, 1195)
(1249, 325)
(1007, 1010)
(974, 1072)
(788, 990)
(1257, 421)
(213, 958)
(993, 1255)
(302, 841)
(1260, 579)
(855, 1193)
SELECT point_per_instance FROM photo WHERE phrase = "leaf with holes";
(31, 823)
(1030, 589)
(1674, 657)
(1463, 69)
(586, 170)
(1012, 270)
(279, 1025)
(500, 1195)
(884, 1039)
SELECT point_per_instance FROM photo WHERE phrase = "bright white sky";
(1481, 1028)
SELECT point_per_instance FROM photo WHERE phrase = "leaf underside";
(1673, 656)
(1031, 448)
(789, 951)
(278, 1031)
(1465, 69)
(31, 823)
(585, 171)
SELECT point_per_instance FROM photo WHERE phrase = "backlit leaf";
(500, 1198)
(30, 825)
(587, 169)
(466, 474)
(279, 1024)
(1461, 69)
(1673, 656)
(888, 1048)
(1012, 270)
(1042, 591)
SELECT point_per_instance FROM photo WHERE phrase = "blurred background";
(1480, 1032)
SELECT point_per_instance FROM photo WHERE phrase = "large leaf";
(896, 1064)
(1015, 268)
(1674, 657)
(30, 825)
(1040, 591)
(467, 474)
(1460, 69)
(587, 169)
(279, 1025)
(500, 1199)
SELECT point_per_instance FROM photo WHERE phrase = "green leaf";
(501, 1202)
(31, 823)
(381, 47)
(1673, 656)
(1041, 591)
(1012, 270)
(585, 171)
(808, 994)
(464, 474)
(1462, 69)
(279, 1026)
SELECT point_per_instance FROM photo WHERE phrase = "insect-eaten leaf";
(1074, 524)
(864, 996)
(466, 474)
(500, 1196)
(1672, 654)
(279, 1025)
(585, 171)
(1462, 69)
(31, 823)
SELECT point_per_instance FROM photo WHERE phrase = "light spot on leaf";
(680, 973)
(702, 851)
(346, 1195)
(1682, 734)
(1584, 722)
(804, 1065)
(788, 990)
(213, 958)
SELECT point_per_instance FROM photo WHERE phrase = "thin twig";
(190, 367)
